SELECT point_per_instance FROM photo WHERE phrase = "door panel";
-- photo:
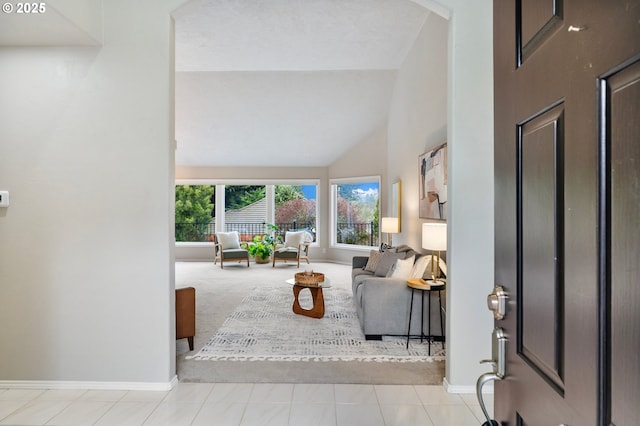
(540, 215)
(622, 113)
(536, 21)
(567, 209)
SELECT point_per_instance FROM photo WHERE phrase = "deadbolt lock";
(497, 302)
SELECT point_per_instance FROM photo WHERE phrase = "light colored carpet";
(220, 292)
(264, 328)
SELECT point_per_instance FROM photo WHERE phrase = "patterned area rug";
(264, 327)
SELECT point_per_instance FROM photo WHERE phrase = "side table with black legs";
(425, 287)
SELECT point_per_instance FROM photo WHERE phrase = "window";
(355, 211)
(291, 205)
(245, 210)
(194, 213)
(295, 208)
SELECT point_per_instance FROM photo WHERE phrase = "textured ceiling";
(295, 35)
(285, 82)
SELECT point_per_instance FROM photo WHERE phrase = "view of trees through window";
(357, 213)
(245, 210)
(194, 212)
(295, 207)
(239, 196)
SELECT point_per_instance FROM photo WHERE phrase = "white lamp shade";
(434, 236)
(389, 225)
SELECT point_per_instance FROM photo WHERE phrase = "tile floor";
(243, 404)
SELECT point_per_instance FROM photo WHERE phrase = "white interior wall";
(418, 119)
(470, 191)
(85, 246)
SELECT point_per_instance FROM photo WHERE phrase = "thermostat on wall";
(4, 198)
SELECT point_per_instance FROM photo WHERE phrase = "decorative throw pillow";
(426, 272)
(402, 268)
(374, 260)
(387, 261)
(420, 267)
(229, 240)
(295, 238)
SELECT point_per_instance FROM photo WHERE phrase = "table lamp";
(390, 225)
(434, 238)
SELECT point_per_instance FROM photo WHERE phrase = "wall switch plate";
(4, 198)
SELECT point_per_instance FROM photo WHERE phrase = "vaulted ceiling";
(263, 82)
(285, 82)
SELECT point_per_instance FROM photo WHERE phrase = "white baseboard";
(465, 389)
(54, 384)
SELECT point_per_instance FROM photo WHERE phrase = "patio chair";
(295, 247)
(226, 246)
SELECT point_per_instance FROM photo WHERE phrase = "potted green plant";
(262, 246)
(260, 249)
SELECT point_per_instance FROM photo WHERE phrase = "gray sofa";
(383, 303)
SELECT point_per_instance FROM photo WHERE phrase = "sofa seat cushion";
(361, 277)
(287, 253)
(360, 272)
(235, 254)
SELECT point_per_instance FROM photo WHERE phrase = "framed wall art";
(433, 183)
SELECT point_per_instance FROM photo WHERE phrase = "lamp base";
(436, 282)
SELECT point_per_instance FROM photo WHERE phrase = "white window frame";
(333, 222)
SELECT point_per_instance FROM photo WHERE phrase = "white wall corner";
(57, 23)
(435, 7)
(84, 14)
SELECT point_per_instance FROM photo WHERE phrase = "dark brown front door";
(567, 209)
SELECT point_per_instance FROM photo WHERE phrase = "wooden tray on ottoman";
(314, 279)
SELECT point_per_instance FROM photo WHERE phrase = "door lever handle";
(482, 380)
(489, 361)
(498, 353)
